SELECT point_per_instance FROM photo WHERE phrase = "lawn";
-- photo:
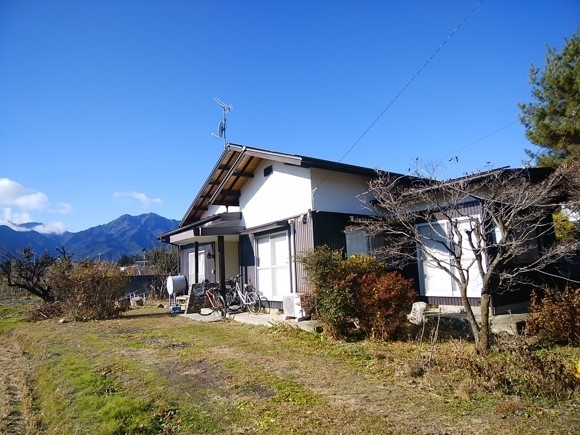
(149, 372)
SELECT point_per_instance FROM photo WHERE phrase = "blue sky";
(106, 107)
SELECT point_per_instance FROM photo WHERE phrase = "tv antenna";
(222, 125)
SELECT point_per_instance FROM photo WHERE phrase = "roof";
(237, 165)
(532, 174)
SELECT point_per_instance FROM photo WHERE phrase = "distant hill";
(126, 235)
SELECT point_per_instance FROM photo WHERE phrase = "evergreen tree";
(552, 122)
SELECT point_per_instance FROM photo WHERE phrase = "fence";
(15, 296)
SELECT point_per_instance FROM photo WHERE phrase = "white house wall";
(339, 192)
(283, 193)
(232, 258)
(217, 209)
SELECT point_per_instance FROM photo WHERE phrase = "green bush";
(356, 297)
(361, 265)
(556, 316)
(322, 265)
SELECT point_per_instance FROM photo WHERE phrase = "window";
(357, 242)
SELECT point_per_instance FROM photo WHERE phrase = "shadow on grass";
(161, 313)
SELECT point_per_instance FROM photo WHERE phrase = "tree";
(553, 121)
(28, 271)
(481, 230)
(163, 263)
(125, 260)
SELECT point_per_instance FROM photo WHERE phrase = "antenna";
(222, 125)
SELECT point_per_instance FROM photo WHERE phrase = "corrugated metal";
(318, 229)
(456, 301)
(247, 258)
(304, 241)
(328, 229)
(470, 208)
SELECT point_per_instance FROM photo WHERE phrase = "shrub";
(90, 289)
(382, 303)
(361, 265)
(322, 265)
(355, 297)
(515, 368)
(556, 316)
(336, 308)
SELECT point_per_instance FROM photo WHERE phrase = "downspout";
(222, 264)
(292, 223)
(196, 262)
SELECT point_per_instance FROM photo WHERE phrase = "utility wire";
(404, 88)
(482, 138)
(497, 130)
(419, 71)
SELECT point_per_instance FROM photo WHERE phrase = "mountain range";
(126, 235)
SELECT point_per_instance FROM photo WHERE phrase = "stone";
(416, 316)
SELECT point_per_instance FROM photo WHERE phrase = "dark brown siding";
(467, 209)
(247, 258)
(328, 229)
(444, 300)
(304, 241)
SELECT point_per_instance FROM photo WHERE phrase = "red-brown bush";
(556, 316)
(383, 302)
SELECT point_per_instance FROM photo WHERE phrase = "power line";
(419, 71)
(404, 88)
(452, 154)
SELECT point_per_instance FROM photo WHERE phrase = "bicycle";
(205, 301)
(244, 299)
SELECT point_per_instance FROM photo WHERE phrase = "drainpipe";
(222, 264)
(195, 263)
(292, 232)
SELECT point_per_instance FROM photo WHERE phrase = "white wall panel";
(338, 192)
(282, 194)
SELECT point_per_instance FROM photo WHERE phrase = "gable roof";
(236, 166)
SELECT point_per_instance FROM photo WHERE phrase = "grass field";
(149, 372)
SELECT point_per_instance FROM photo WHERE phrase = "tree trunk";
(470, 316)
(482, 345)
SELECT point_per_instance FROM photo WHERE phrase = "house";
(486, 232)
(258, 209)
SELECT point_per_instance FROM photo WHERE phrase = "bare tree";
(487, 232)
(28, 271)
(163, 262)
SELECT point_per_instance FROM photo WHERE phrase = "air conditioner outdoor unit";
(292, 307)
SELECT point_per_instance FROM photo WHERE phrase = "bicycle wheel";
(231, 298)
(221, 307)
(205, 307)
(253, 303)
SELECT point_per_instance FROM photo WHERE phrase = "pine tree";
(552, 122)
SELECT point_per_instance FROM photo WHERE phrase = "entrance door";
(200, 274)
(273, 271)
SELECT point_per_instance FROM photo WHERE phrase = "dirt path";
(13, 391)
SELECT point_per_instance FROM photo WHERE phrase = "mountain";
(126, 235)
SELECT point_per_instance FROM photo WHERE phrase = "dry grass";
(149, 372)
